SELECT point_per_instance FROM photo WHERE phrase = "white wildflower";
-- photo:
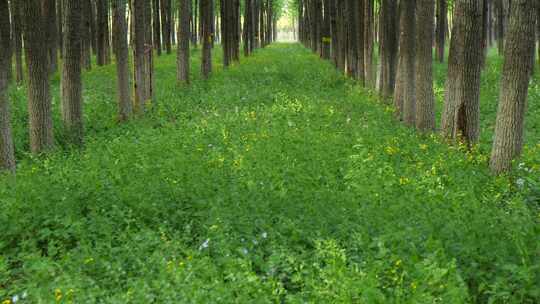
(520, 182)
(264, 235)
(15, 299)
(205, 244)
(245, 251)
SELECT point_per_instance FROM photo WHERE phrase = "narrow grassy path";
(276, 181)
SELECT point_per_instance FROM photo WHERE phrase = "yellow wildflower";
(7, 301)
(58, 295)
(403, 180)
(423, 146)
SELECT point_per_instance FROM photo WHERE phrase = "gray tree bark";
(425, 100)
(7, 156)
(517, 70)
(37, 63)
(72, 103)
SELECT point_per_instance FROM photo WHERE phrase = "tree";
(37, 63)
(103, 46)
(425, 100)
(184, 36)
(404, 96)
(388, 47)
(156, 24)
(72, 103)
(517, 70)
(166, 24)
(462, 105)
(121, 53)
(17, 39)
(86, 34)
(139, 55)
(207, 16)
(7, 156)
(442, 11)
(49, 12)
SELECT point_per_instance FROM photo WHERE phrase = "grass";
(278, 180)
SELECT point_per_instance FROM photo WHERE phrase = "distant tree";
(425, 100)
(388, 47)
(103, 44)
(404, 95)
(121, 53)
(7, 157)
(72, 103)
(440, 36)
(166, 22)
(37, 63)
(17, 28)
(49, 13)
(206, 13)
(139, 56)
(517, 70)
(462, 105)
(184, 36)
(156, 24)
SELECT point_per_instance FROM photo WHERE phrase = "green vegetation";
(276, 180)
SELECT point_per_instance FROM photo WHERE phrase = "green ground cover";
(278, 180)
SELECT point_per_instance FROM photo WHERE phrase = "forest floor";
(278, 180)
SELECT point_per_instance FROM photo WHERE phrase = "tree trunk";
(442, 11)
(121, 53)
(404, 97)
(184, 35)
(166, 24)
(139, 55)
(461, 108)
(37, 62)
(206, 13)
(7, 156)
(72, 105)
(17, 28)
(49, 11)
(59, 30)
(103, 55)
(368, 43)
(425, 100)
(517, 70)
(156, 23)
(389, 47)
(86, 35)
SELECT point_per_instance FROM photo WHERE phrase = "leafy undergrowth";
(276, 181)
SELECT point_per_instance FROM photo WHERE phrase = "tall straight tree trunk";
(361, 41)
(59, 28)
(499, 6)
(37, 63)
(517, 70)
(184, 35)
(148, 52)
(7, 155)
(206, 13)
(102, 32)
(86, 35)
(139, 55)
(404, 98)
(425, 100)
(462, 105)
(389, 47)
(166, 24)
(121, 53)
(49, 11)
(442, 11)
(17, 40)
(156, 23)
(72, 105)
(368, 42)
(248, 27)
(326, 38)
(194, 23)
